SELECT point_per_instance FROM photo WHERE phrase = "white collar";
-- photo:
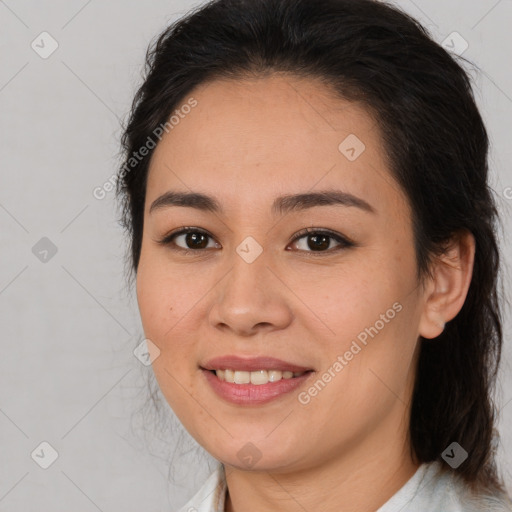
(428, 489)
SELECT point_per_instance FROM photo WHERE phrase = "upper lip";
(248, 364)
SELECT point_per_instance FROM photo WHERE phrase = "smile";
(258, 377)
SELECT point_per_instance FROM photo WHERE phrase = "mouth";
(255, 380)
(258, 377)
(236, 363)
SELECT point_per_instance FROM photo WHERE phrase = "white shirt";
(428, 490)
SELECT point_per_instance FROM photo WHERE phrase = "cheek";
(370, 362)
(163, 305)
(164, 297)
(347, 298)
(152, 302)
(371, 310)
(172, 301)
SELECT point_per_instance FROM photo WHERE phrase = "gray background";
(69, 324)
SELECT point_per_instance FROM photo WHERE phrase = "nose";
(250, 299)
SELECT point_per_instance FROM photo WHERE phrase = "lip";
(253, 394)
(251, 364)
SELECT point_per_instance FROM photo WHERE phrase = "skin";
(245, 143)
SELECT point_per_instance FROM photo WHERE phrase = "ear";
(447, 286)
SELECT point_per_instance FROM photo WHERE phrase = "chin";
(257, 453)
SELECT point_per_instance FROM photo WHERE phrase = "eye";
(193, 239)
(319, 241)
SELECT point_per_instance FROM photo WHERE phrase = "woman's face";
(345, 305)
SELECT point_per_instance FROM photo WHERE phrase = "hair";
(434, 139)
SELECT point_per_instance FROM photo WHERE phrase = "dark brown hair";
(435, 140)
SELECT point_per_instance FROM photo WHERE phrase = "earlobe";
(448, 285)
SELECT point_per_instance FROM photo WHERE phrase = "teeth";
(258, 377)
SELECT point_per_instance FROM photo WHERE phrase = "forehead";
(278, 134)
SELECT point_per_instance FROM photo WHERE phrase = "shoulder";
(466, 500)
(210, 497)
(434, 488)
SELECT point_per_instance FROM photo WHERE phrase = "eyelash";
(344, 242)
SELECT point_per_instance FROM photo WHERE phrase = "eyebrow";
(281, 205)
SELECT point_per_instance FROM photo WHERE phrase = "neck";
(361, 480)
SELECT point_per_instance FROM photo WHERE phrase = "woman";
(313, 239)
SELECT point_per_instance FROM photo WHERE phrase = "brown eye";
(320, 241)
(189, 239)
(196, 240)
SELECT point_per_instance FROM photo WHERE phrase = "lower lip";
(253, 394)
